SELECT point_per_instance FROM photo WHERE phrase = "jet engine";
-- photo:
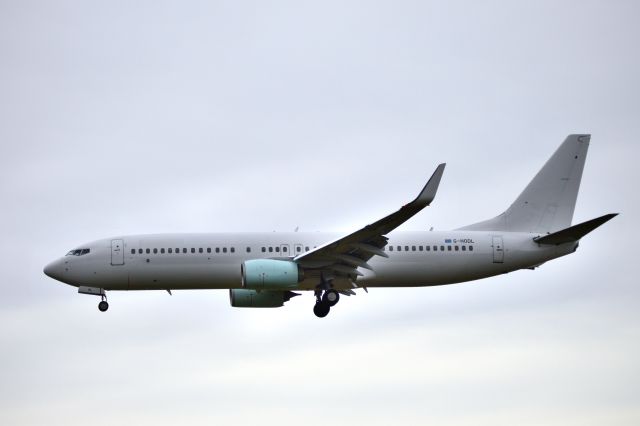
(241, 298)
(271, 274)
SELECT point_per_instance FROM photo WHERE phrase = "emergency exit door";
(498, 250)
(117, 252)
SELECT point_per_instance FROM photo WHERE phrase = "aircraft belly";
(428, 272)
(186, 276)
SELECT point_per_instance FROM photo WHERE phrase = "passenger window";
(441, 248)
(435, 248)
(270, 249)
(155, 251)
(193, 250)
(248, 249)
(139, 251)
(284, 249)
(470, 248)
(148, 251)
(200, 250)
(399, 248)
(464, 248)
(133, 251)
(184, 249)
(420, 248)
(449, 248)
(224, 249)
(457, 248)
(390, 248)
(298, 249)
(233, 249)
(177, 250)
(162, 250)
(428, 248)
(306, 248)
(277, 249)
(264, 249)
(170, 250)
(217, 249)
(413, 248)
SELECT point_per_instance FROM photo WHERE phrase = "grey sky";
(227, 116)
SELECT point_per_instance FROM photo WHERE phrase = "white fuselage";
(213, 261)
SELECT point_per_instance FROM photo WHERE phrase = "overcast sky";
(187, 116)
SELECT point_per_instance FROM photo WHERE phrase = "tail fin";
(547, 203)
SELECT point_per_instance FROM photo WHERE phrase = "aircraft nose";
(54, 270)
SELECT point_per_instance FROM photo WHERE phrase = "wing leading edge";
(345, 255)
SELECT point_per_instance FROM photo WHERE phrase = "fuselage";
(213, 261)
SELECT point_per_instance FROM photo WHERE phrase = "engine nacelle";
(270, 274)
(241, 298)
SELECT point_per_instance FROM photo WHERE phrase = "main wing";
(344, 256)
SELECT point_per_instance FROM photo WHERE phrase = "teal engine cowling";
(241, 298)
(271, 274)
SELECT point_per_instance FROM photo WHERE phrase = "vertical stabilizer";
(547, 203)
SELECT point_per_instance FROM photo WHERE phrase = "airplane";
(264, 270)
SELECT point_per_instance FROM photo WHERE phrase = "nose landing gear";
(103, 305)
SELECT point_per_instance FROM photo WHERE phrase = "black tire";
(103, 306)
(331, 297)
(321, 309)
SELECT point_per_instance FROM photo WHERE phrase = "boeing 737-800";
(263, 270)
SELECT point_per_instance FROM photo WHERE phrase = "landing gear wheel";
(103, 306)
(331, 297)
(321, 309)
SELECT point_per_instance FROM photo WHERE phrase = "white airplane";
(262, 270)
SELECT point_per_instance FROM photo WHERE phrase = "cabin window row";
(430, 248)
(284, 249)
(185, 250)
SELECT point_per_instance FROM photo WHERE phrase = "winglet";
(575, 232)
(428, 193)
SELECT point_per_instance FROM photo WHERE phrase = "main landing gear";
(324, 301)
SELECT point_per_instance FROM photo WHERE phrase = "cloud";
(165, 117)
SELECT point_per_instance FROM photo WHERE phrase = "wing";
(344, 256)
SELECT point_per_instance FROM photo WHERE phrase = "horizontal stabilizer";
(575, 232)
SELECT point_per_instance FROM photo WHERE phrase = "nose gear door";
(117, 252)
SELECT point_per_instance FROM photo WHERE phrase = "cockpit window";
(78, 252)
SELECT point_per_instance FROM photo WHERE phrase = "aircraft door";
(498, 250)
(117, 252)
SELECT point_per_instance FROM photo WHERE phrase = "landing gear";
(103, 305)
(325, 299)
(321, 309)
(331, 297)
